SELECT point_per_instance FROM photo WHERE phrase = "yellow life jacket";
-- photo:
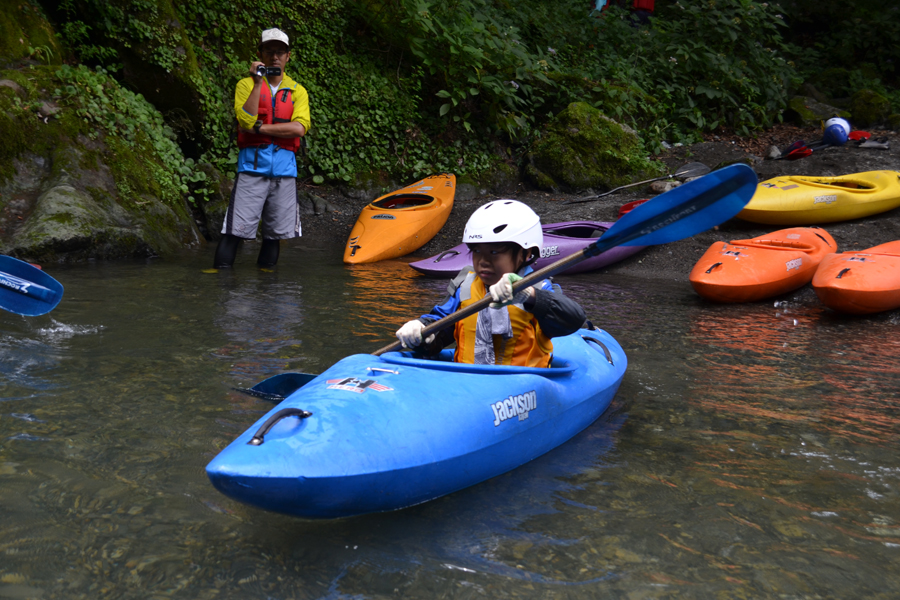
(527, 347)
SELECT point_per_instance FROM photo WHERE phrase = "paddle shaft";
(28, 288)
(609, 240)
(680, 173)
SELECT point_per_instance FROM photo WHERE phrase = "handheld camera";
(264, 71)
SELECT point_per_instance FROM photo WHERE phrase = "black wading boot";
(226, 251)
(268, 254)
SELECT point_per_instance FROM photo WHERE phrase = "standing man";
(272, 115)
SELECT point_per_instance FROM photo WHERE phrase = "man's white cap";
(276, 35)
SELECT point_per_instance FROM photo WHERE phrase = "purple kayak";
(560, 241)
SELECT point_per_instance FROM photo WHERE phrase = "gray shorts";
(274, 200)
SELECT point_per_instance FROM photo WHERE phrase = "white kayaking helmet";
(505, 221)
(836, 131)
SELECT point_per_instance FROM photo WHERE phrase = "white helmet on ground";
(836, 131)
(505, 221)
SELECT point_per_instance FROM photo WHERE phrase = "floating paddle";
(25, 290)
(682, 212)
(689, 170)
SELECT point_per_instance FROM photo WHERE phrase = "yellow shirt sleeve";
(301, 105)
(241, 93)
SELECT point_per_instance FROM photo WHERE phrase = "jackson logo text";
(514, 406)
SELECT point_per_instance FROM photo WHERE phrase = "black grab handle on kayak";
(257, 438)
(713, 267)
(445, 254)
(588, 338)
(841, 274)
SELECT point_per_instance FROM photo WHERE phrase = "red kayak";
(860, 283)
(629, 206)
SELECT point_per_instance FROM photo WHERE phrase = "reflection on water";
(749, 453)
(378, 292)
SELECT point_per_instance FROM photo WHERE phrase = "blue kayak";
(379, 433)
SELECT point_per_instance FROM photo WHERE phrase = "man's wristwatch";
(257, 126)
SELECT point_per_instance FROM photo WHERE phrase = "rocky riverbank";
(672, 260)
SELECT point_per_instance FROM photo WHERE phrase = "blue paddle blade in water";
(25, 290)
(687, 210)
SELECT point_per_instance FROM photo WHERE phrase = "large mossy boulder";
(70, 190)
(809, 112)
(69, 223)
(583, 149)
(869, 108)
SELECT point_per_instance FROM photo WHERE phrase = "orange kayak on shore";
(860, 283)
(762, 267)
(402, 221)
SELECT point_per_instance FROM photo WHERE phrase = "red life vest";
(284, 110)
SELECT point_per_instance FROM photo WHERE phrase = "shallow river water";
(750, 452)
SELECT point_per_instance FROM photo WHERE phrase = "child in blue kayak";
(505, 238)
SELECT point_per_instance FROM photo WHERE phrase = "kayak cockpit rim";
(583, 231)
(444, 362)
(404, 202)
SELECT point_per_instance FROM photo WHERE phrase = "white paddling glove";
(502, 291)
(410, 335)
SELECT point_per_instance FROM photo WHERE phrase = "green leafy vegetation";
(127, 119)
(405, 88)
(842, 48)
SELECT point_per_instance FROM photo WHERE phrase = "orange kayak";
(401, 222)
(860, 283)
(765, 266)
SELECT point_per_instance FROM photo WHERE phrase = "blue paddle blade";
(687, 210)
(25, 290)
(278, 387)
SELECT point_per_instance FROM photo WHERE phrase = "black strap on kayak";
(841, 274)
(257, 438)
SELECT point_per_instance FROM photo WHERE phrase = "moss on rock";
(583, 149)
(808, 112)
(500, 179)
(79, 192)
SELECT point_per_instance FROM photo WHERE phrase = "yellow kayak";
(798, 200)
